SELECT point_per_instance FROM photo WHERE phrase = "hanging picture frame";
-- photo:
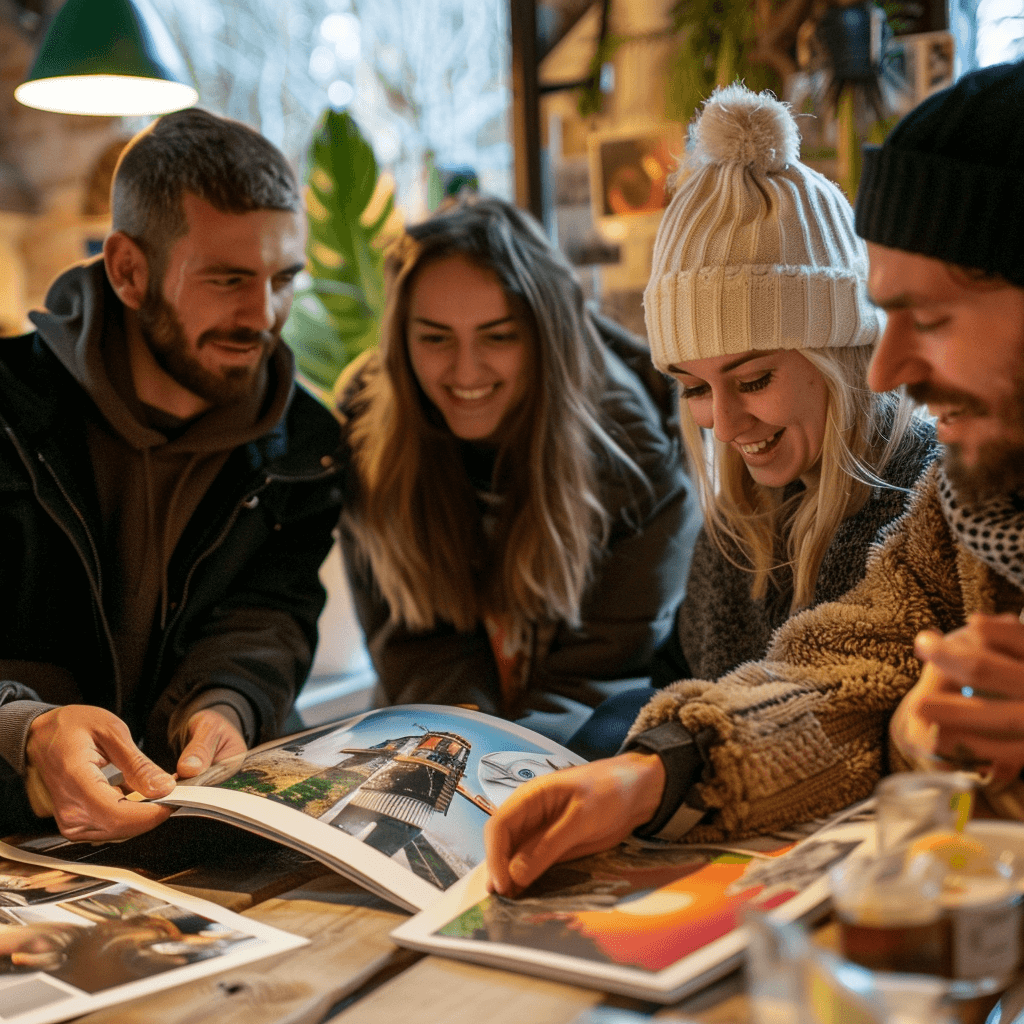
(925, 63)
(629, 171)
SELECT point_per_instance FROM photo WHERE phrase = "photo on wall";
(629, 171)
(916, 66)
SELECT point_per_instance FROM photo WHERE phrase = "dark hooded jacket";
(151, 573)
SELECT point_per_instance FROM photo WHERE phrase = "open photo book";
(75, 939)
(395, 799)
(650, 921)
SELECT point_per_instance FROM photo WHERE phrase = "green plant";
(591, 99)
(719, 40)
(338, 315)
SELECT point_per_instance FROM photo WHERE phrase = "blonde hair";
(746, 520)
(417, 519)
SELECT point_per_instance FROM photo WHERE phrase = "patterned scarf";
(993, 531)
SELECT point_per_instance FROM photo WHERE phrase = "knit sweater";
(720, 626)
(803, 732)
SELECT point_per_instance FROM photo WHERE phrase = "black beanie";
(949, 180)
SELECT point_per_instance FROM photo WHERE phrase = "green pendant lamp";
(111, 57)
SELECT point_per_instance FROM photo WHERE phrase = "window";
(426, 80)
(987, 32)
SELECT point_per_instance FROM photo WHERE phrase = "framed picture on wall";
(629, 170)
(924, 60)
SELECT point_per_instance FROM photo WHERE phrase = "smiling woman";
(769, 406)
(757, 307)
(470, 360)
(519, 525)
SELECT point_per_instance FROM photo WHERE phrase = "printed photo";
(643, 907)
(24, 884)
(77, 949)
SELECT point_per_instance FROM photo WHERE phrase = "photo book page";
(395, 799)
(651, 921)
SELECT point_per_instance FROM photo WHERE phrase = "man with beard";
(934, 627)
(949, 271)
(167, 493)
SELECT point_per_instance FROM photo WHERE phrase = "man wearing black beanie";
(941, 206)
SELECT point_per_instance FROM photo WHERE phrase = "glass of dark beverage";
(889, 914)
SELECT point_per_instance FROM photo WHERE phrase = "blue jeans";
(604, 731)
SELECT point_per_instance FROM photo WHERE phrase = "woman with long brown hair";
(519, 526)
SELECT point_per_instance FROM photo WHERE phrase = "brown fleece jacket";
(803, 732)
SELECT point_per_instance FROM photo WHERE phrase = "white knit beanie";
(755, 250)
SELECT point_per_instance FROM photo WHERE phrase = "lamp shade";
(108, 57)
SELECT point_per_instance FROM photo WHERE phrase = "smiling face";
(771, 407)
(467, 347)
(213, 319)
(958, 345)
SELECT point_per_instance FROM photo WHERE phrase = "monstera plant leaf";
(338, 315)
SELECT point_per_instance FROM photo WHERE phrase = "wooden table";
(350, 973)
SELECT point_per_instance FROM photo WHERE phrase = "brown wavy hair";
(417, 519)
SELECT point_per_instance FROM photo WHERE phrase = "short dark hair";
(223, 162)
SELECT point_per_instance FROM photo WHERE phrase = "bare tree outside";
(427, 81)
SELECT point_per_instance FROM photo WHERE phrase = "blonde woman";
(798, 464)
(783, 530)
(519, 526)
(757, 307)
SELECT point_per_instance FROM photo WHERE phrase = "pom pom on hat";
(743, 127)
(756, 251)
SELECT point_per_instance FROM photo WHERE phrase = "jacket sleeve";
(639, 578)
(255, 645)
(631, 603)
(802, 733)
(18, 707)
